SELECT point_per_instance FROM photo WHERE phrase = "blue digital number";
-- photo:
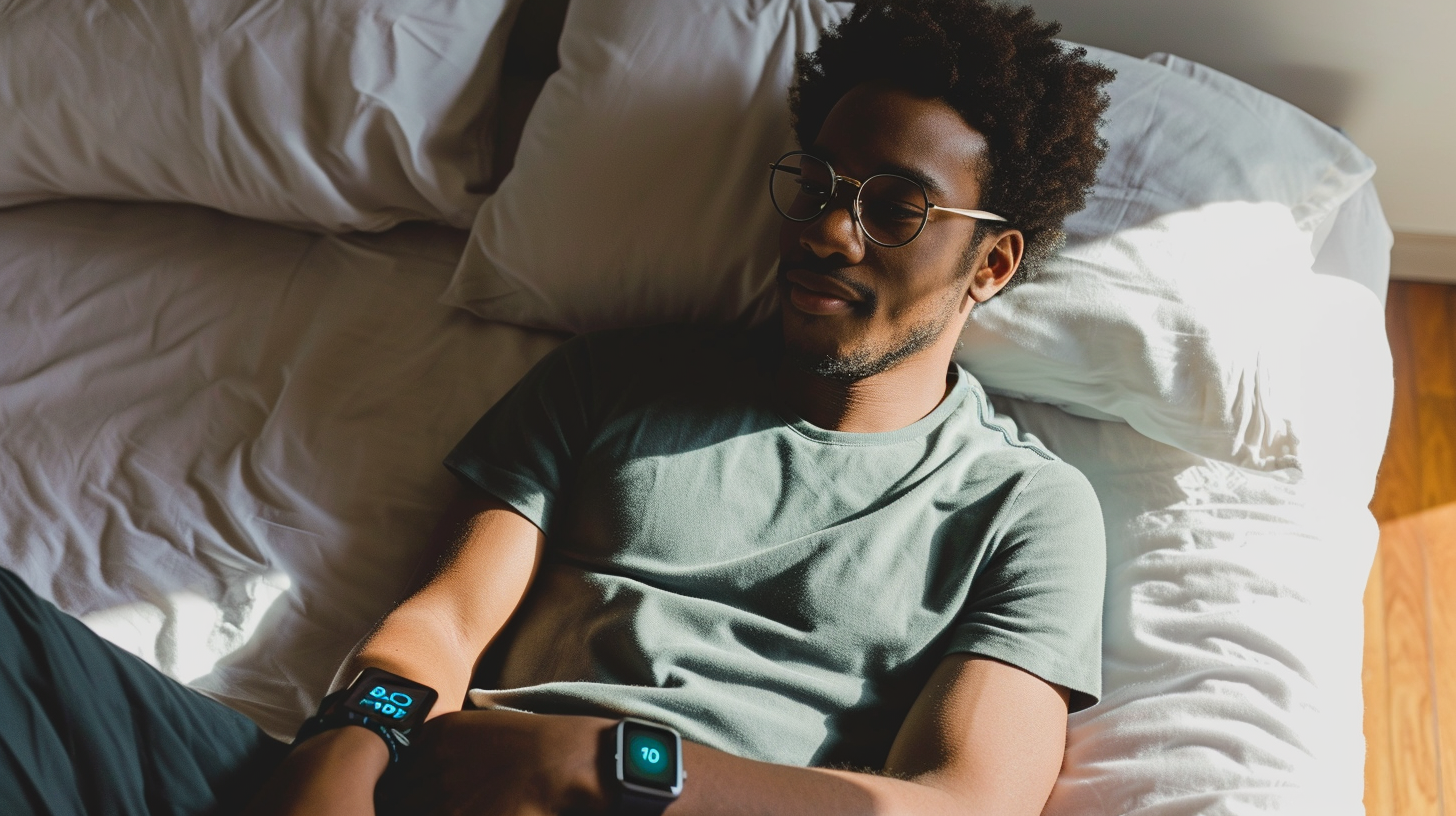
(393, 704)
(647, 753)
(386, 703)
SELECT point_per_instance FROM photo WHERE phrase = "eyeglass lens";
(891, 209)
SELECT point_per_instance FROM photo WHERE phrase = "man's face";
(852, 308)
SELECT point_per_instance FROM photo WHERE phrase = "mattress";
(220, 445)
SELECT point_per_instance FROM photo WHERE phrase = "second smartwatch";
(648, 765)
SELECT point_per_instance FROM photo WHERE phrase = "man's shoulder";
(997, 434)
(994, 450)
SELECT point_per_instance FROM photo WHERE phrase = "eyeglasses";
(890, 210)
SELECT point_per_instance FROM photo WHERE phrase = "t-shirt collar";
(953, 399)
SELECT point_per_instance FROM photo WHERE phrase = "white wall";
(1383, 71)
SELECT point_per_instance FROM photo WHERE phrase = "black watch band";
(631, 803)
(384, 703)
(319, 723)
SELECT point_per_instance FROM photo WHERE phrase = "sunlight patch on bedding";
(183, 633)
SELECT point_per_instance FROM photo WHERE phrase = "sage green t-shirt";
(767, 587)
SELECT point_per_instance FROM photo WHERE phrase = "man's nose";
(834, 232)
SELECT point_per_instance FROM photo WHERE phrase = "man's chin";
(826, 359)
(814, 345)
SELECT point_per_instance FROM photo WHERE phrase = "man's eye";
(813, 188)
(893, 210)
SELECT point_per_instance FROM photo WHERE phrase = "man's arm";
(984, 737)
(487, 555)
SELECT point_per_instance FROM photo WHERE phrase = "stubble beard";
(862, 363)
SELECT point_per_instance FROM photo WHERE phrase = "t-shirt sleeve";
(1037, 601)
(523, 450)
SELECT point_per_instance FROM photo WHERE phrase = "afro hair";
(1037, 102)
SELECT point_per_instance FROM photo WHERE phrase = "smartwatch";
(648, 767)
(385, 703)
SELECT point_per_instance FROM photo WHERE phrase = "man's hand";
(501, 763)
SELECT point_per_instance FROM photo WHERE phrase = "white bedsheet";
(198, 410)
(220, 442)
(1232, 644)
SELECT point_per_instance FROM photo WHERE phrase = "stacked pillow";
(340, 114)
(640, 188)
(639, 196)
(1172, 306)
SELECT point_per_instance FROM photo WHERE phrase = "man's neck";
(886, 401)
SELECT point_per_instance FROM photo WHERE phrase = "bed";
(221, 426)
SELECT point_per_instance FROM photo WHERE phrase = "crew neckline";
(920, 427)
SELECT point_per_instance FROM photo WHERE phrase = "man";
(810, 549)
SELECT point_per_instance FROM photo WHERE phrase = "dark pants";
(86, 728)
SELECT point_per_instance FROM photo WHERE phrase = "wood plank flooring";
(1410, 602)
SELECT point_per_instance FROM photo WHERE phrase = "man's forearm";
(413, 642)
(336, 771)
(498, 761)
(983, 738)
(727, 785)
(486, 556)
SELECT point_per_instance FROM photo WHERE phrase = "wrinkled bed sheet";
(220, 444)
(220, 440)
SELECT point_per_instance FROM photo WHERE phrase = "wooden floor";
(1410, 603)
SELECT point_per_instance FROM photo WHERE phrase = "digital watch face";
(648, 757)
(381, 696)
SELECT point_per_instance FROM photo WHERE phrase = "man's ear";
(997, 265)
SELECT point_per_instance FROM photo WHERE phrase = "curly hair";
(1037, 102)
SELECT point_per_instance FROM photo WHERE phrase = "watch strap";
(339, 718)
(634, 803)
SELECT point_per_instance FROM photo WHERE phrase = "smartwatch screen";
(649, 756)
(382, 696)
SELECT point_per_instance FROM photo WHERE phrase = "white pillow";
(640, 189)
(341, 114)
(1168, 307)
(1225, 688)
(1164, 310)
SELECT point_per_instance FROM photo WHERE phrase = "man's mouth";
(817, 294)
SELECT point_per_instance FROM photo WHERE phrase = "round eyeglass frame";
(854, 211)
